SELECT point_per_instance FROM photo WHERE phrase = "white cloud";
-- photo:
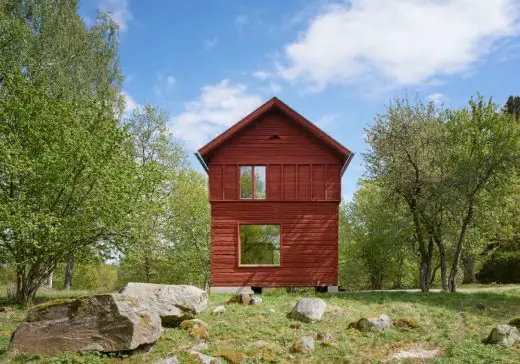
(170, 80)
(130, 103)
(262, 75)
(436, 98)
(400, 42)
(275, 87)
(209, 44)
(327, 120)
(214, 110)
(119, 10)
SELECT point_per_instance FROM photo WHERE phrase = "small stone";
(380, 323)
(272, 310)
(200, 347)
(172, 360)
(255, 300)
(295, 325)
(233, 357)
(303, 345)
(415, 353)
(188, 324)
(218, 310)
(309, 309)
(260, 344)
(197, 357)
(244, 298)
(481, 306)
(325, 335)
(408, 322)
(199, 332)
(505, 335)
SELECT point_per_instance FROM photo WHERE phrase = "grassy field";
(453, 323)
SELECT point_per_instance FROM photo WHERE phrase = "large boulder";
(504, 335)
(173, 303)
(309, 309)
(106, 323)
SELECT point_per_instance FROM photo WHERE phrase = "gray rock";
(505, 335)
(255, 300)
(303, 345)
(309, 309)
(172, 360)
(382, 322)
(173, 303)
(218, 310)
(325, 335)
(200, 347)
(106, 323)
(197, 357)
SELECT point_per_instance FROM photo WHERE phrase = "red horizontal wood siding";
(309, 243)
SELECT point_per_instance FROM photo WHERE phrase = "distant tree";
(380, 238)
(513, 106)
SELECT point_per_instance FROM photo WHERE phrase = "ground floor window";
(259, 244)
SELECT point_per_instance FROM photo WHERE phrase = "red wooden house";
(274, 189)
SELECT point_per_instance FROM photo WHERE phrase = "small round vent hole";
(274, 137)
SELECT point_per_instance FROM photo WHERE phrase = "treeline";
(441, 196)
(82, 183)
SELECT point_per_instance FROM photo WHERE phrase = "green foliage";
(62, 176)
(376, 239)
(513, 106)
(445, 166)
(170, 229)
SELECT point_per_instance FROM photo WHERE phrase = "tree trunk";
(444, 265)
(26, 286)
(69, 270)
(452, 280)
(48, 284)
(468, 263)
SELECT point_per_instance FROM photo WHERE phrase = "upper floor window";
(253, 184)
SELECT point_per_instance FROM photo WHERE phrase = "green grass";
(450, 322)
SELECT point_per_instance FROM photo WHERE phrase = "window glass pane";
(260, 183)
(246, 182)
(260, 244)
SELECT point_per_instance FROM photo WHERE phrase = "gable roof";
(274, 102)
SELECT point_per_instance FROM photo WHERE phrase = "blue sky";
(209, 63)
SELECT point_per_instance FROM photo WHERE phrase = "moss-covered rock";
(106, 323)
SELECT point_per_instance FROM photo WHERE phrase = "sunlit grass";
(452, 322)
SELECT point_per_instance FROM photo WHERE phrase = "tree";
(64, 155)
(513, 106)
(407, 143)
(484, 152)
(380, 237)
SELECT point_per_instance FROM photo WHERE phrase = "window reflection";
(260, 244)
